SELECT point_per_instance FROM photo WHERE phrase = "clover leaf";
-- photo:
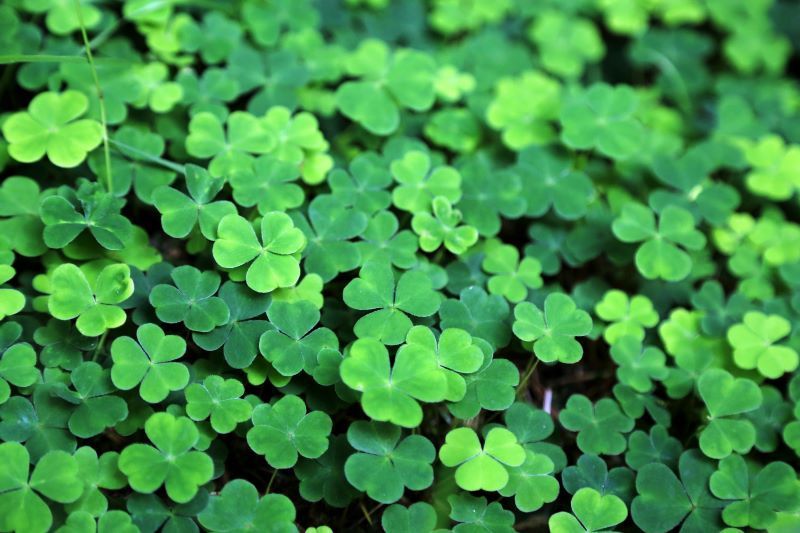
(442, 226)
(55, 477)
(660, 256)
(419, 184)
(592, 512)
(149, 363)
(774, 168)
(97, 408)
(50, 127)
(727, 397)
(191, 301)
(324, 478)
(512, 278)
(17, 360)
(363, 184)
(553, 331)
(591, 471)
(638, 365)
(390, 300)
(488, 194)
(532, 483)
(420, 517)
(552, 182)
(492, 387)
(481, 467)
(656, 447)
(238, 507)
(171, 462)
(284, 430)
(629, 316)
(268, 184)
(753, 343)
(220, 401)
(390, 391)
(384, 465)
(566, 43)
(299, 142)
(94, 305)
(474, 514)
(272, 261)
(480, 314)
(383, 242)
(19, 216)
(600, 426)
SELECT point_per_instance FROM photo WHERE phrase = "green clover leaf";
(324, 478)
(284, 430)
(488, 194)
(419, 184)
(480, 314)
(660, 256)
(299, 142)
(492, 387)
(97, 408)
(19, 216)
(419, 517)
(272, 261)
(219, 400)
(774, 172)
(171, 463)
(94, 305)
(191, 301)
(594, 512)
(551, 182)
(727, 397)
(473, 514)
(442, 226)
(532, 483)
(390, 301)
(384, 465)
(600, 426)
(363, 184)
(50, 127)
(638, 366)
(566, 43)
(511, 277)
(382, 242)
(149, 363)
(41, 425)
(237, 507)
(17, 360)
(55, 477)
(269, 184)
(655, 447)
(628, 316)
(591, 471)
(481, 467)
(553, 331)
(390, 391)
(753, 342)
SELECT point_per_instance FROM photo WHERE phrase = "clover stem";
(148, 157)
(99, 345)
(100, 98)
(529, 370)
(271, 479)
(366, 513)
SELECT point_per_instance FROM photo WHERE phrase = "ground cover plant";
(407, 265)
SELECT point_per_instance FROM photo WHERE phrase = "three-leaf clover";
(511, 277)
(638, 366)
(628, 316)
(284, 430)
(553, 331)
(384, 464)
(660, 256)
(49, 126)
(481, 467)
(238, 507)
(269, 184)
(419, 184)
(532, 483)
(191, 301)
(149, 363)
(219, 400)
(97, 408)
(390, 390)
(171, 462)
(549, 181)
(600, 426)
(391, 301)
(592, 512)
(443, 226)
(17, 360)
(95, 305)
(272, 260)
(753, 342)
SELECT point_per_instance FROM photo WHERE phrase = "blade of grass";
(100, 97)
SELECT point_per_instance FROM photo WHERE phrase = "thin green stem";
(99, 347)
(100, 97)
(366, 513)
(123, 148)
(9, 59)
(271, 479)
(531, 368)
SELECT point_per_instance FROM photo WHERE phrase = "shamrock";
(481, 467)
(274, 264)
(455, 129)
(551, 182)
(592, 472)
(390, 391)
(239, 335)
(665, 501)
(171, 463)
(328, 229)
(554, 330)
(419, 517)
(324, 478)
(151, 513)
(237, 507)
(149, 363)
(726, 397)
(299, 142)
(600, 426)
(488, 193)
(97, 408)
(442, 227)
(565, 43)
(191, 301)
(478, 313)
(49, 126)
(41, 425)
(55, 477)
(660, 256)
(209, 92)
(19, 212)
(532, 426)
(17, 360)
(68, 214)
(219, 400)
(97, 473)
(774, 172)
(492, 387)
(382, 242)
(594, 512)
(230, 152)
(80, 521)
(756, 498)
(638, 365)
(753, 343)
(532, 482)
(384, 465)
(655, 447)
(512, 278)
(601, 117)
(269, 184)
(419, 184)
(718, 313)
(629, 316)
(291, 347)
(284, 430)
(390, 301)
(387, 82)
(523, 107)
(363, 184)
(94, 305)
(181, 213)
